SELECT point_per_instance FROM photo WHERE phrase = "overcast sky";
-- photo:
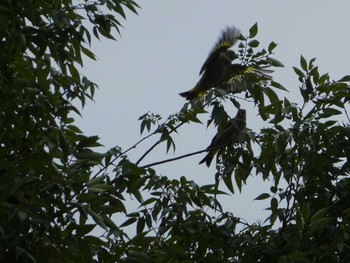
(160, 52)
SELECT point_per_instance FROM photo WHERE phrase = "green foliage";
(62, 201)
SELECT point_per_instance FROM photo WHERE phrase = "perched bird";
(218, 70)
(217, 67)
(231, 131)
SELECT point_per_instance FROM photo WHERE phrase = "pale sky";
(160, 52)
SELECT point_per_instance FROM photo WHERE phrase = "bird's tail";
(188, 95)
(193, 93)
(207, 159)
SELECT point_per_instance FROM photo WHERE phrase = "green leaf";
(271, 47)
(303, 63)
(328, 112)
(99, 188)
(344, 79)
(297, 256)
(129, 222)
(271, 95)
(319, 214)
(239, 177)
(274, 204)
(138, 256)
(278, 85)
(253, 31)
(228, 182)
(191, 116)
(262, 196)
(140, 225)
(320, 224)
(74, 72)
(254, 43)
(299, 73)
(88, 53)
(305, 210)
(311, 63)
(97, 218)
(275, 62)
(96, 180)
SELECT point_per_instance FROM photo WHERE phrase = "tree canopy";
(61, 200)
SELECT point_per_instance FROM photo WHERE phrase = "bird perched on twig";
(218, 69)
(229, 134)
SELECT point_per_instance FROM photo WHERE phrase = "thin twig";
(127, 150)
(185, 155)
(176, 158)
(155, 144)
(159, 141)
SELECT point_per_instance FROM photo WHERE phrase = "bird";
(230, 133)
(218, 70)
(217, 67)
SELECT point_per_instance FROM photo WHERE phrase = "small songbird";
(230, 133)
(217, 67)
(218, 70)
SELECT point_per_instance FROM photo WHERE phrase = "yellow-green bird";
(218, 70)
(229, 134)
(217, 67)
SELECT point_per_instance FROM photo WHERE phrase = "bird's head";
(241, 114)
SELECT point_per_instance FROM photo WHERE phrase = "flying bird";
(217, 67)
(229, 134)
(218, 70)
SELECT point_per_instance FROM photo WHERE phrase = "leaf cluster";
(61, 200)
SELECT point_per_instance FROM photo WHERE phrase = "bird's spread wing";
(238, 72)
(227, 39)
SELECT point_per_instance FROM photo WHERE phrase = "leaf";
(344, 79)
(88, 53)
(192, 117)
(254, 43)
(140, 225)
(239, 177)
(271, 95)
(328, 112)
(319, 214)
(299, 73)
(253, 31)
(311, 63)
(320, 224)
(96, 180)
(98, 219)
(303, 63)
(138, 256)
(228, 182)
(262, 196)
(272, 46)
(274, 204)
(149, 201)
(278, 85)
(275, 62)
(74, 72)
(305, 210)
(129, 222)
(99, 188)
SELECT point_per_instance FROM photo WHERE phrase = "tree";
(60, 200)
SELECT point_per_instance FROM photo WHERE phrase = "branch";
(159, 141)
(127, 150)
(176, 158)
(155, 144)
(185, 155)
